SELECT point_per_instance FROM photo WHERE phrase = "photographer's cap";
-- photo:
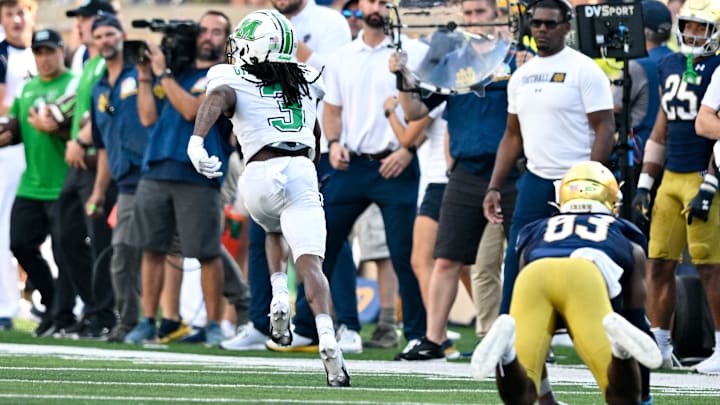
(656, 15)
(90, 8)
(47, 39)
(107, 20)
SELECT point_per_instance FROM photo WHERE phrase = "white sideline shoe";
(498, 341)
(247, 338)
(628, 338)
(711, 365)
(349, 340)
(280, 313)
(332, 358)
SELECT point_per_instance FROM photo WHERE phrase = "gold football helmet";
(704, 12)
(589, 187)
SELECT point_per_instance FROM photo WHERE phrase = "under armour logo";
(538, 90)
(705, 205)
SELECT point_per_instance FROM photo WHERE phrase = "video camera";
(613, 30)
(179, 41)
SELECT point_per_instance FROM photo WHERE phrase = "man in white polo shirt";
(370, 166)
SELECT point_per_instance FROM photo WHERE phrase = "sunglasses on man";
(549, 24)
(349, 13)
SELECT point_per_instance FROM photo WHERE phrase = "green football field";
(64, 371)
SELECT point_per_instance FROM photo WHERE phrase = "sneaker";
(711, 365)
(410, 344)
(628, 339)
(280, 313)
(228, 328)
(196, 335)
(349, 340)
(144, 331)
(494, 345)
(247, 338)
(449, 349)
(70, 331)
(44, 328)
(550, 357)
(213, 334)
(300, 344)
(170, 330)
(118, 333)
(424, 350)
(452, 335)
(6, 324)
(332, 358)
(93, 331)
(384, 337)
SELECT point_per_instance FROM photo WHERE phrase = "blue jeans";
(347, 194)
(533, 194)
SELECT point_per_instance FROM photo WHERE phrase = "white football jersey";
(261, 117)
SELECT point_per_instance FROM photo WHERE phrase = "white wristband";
(645, 181)
(711, 180)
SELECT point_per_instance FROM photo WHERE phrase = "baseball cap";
(90, 8)
(47, 39)
(656, 15)
(106, 20)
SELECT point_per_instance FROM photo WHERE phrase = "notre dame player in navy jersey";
(573, 264)
(684, 212)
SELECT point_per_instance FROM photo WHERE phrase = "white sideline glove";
(207, 166)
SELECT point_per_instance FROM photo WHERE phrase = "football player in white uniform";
(273, 100)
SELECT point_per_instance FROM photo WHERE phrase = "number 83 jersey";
(561, 235)
(261, 116)
(686, 151)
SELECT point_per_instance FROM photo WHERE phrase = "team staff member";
(36, 210)
(171, 191)
(461, 224)
(121, 142)
(562, 98)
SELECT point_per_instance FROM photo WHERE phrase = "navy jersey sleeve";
(633, 233)
(526, 233)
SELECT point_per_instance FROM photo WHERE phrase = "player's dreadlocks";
(290, 76)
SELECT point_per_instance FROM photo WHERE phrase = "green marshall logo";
(247, 30)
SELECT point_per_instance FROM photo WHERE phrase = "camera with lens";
(178, 43)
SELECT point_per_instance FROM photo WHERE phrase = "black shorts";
(430, 206)
(462, 220)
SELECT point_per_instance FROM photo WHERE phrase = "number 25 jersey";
(687, 152)
(261, 116)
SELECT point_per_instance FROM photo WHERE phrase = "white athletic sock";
(324, 324)
(717, 343)
(279, 283)
(662, 337)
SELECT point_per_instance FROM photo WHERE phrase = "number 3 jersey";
(686, 151)
(261, 116)
(603, 239)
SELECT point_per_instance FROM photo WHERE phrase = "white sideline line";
(677, 383)
(188, 399)
(284, 387)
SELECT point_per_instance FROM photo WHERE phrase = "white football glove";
(207, 166)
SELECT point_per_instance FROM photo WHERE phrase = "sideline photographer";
(171, 192)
